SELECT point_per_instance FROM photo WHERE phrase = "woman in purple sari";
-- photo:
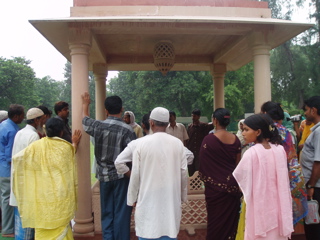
(219, 154)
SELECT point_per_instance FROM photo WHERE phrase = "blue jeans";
(21, 233)
(115, 213)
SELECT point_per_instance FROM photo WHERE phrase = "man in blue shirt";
(8, 130)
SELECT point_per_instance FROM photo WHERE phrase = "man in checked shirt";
(111, 136)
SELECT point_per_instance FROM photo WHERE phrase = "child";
(262, 175)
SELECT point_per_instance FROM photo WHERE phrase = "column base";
(83, 228)
(83, 235)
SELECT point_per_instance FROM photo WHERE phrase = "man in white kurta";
(23, 139)
(158, 183)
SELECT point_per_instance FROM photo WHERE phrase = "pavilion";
(207, 35)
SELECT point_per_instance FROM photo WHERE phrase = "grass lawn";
(93, 175)
(4, 238)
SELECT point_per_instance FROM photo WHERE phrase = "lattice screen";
(194, 214)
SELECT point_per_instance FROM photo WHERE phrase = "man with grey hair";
(23, 139)
(3, 115)
(158, 183)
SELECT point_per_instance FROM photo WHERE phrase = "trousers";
(7, 210)
(115, 213)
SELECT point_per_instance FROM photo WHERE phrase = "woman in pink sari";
(262, 175)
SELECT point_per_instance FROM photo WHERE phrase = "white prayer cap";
(3, 115)
(160, 114)
(34, 113)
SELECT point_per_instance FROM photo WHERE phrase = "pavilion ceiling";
(127, 43)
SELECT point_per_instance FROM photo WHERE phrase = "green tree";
(183, 91)
(239, 91)
(66, 92)
(178, 91)
(17, 81)
(92, 93)
(295, 64)
(48, 91)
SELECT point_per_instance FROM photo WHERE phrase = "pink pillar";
(262, 80)
(218, 72)
(100, 73)
(79, 44)
(260, 43)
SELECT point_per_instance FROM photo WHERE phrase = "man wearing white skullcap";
(3, 115)
(24, 137)
(158, 182)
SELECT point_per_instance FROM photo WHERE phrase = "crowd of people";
(257, 182)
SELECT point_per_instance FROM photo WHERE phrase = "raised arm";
(85, 104)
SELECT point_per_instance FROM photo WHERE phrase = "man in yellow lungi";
(45, 183)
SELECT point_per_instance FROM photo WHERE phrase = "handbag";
(313, 212)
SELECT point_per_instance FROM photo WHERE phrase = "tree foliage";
(17, 81)
(178, 91)
(182, 91)
(48, 91)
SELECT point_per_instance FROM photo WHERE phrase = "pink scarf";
(262, 175)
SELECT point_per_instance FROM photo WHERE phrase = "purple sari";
(217, 162)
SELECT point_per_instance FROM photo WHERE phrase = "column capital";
(100, 71)
(218, 68)
(79, 49)
(261, 50)
(80, 35)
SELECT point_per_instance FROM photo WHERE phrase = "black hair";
(58, 106)
(313, 102)
(160, 124)
(172, 113)
(113, 104)
(273, 109)
(145, 121)
(268, 130)
(196, 112)
(45, 110)
(222, 115)
(15, 110)
(54, 127)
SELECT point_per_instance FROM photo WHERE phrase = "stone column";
(80, 44)
(100, 73)
(262, 81)
(218, 71)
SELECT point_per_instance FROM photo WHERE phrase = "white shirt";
(23, 139)
(179, 131)
(158, 184)
(127, 154)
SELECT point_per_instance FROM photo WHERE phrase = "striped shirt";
(111, 136)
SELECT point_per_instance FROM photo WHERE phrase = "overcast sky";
(20, 38)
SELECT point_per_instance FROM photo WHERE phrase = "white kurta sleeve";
(189, 155)
(184, 178)
(134, 184)
(124, 157)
